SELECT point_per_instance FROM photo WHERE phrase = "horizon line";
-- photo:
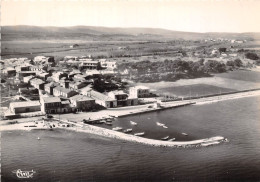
(124, 28)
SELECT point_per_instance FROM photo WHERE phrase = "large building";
(122, 98)
(50, 105)
(24, 107)
(139, 92)
(82, 102)
(111, 65)
(89, 64)
(102, 99)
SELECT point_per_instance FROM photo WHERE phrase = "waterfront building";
(50, 105)
(82, 102)
(24, 107)
(102, 99)
(139, 92)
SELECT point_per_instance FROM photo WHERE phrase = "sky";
(179, 15)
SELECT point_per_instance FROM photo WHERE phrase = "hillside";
(23, 32)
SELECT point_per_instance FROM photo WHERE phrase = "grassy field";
(193, 90)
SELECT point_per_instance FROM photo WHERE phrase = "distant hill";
(23, 32)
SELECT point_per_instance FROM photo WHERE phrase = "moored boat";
(164, 126)
(128, 130)
(139, 134)
(133, 123)
(165, 138)
(117, 128)
(185, 134)
(160, 124)
(172, 139)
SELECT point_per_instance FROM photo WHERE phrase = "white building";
(139, 92)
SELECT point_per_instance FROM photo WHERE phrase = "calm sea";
(68, 156)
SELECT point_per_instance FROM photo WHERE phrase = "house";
(139, 92)
(108, 64)
(37, 83)
(49, 60)
(122, 98)
(9, 71)
(64, 92)
(22, 74)
(102, 99)
(88, 64)
(80, 77)
(50, 86)
(64, 82)
(26, 79)
(77, 85)
(73, 73)
(58, 75)
(50, 105)
(22, 68)
(43, 75)
(82, 102)
(23, 107)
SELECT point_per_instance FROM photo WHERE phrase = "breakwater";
(136, 139)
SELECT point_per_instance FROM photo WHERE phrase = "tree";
(252, 56)
(238, 63)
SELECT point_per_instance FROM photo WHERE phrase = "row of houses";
(65, 100)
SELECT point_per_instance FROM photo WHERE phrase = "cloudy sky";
(181, 15)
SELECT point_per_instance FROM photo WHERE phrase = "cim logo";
(24, 174)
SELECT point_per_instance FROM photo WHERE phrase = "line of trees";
(170, 70)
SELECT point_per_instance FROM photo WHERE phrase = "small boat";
(133, 123)
(38, 138)
(165, 138)
(117, 128)
(164, 126)
(128, 130)
(159, 124)
(172, 139)
(110, 124)
(139, 134)
(102, 121)
(185, 134)
(109, 120)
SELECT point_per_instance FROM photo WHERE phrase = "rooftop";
(118, 92)
(140, 87)
(50, 99)
(37, 81)
(81, 98)
(100, 96)
(24, 104)
(62, 89)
